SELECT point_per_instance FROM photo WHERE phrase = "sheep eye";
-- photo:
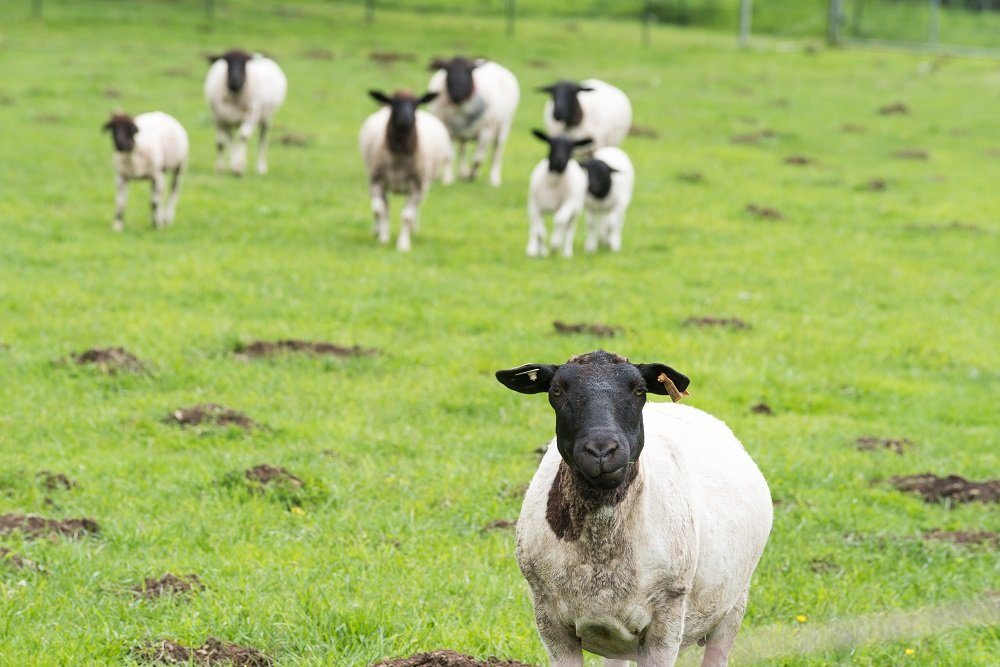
(557, 390)
(640, 391)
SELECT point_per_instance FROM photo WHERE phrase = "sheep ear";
(664, 380)
(133, 128)
(582, 142)
(614, 171)
(545, 89)
(379, 96)
(479, 62)
(528, 379)
(212, 59)
(582, 89)
(427, 97)
(541, 135)
(106, 127)
(437, 64)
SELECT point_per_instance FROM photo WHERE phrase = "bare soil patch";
(691, 177)
(210, 414)
(168, 584)
(17, 561)
(111, 360)
(799, 160)
(719, 322)
(853, 128)
(36, 526)
(896, 108)
(963, 536)
(498, 524)
(537, 63)
(876, 185)
(112, 93)
(953, 226)
(764, 212)
(753, 137)
(391, 57)
(644, 131)
(761, 409)
(912, 154)
(318, 54)
(54, 481)
(180, 72)
(266, 348)
(950, 489)
(294, 140)
(823, 566)
(212, 652)
(873, 443)
(594, 329)
(265, 474)
(448, 659)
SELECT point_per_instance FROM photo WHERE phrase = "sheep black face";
(458, 77)
(560, 150)
(123, 130)
(402, 118)
(598, 399)
(565, 105)
(598, 177)
(236, 68)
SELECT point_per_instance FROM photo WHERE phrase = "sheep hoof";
(118, 226)
(262, 169)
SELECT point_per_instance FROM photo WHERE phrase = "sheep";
(404, 149)
(148, 147)
(477, 100)
(592, 109)
(244, 92)
(635, 558)
(610, 179)
(558, 185)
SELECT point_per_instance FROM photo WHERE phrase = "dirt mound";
(498, 524)
(761, 409)
(212, 652)
(721, 322)
(877, 185)
(912, 154)
(294, 140)
(894, 108)
(753, 137)
(391, 57)
(764, 212)
(265, 474)
(318, 54)
(110, 360)
(963, 536)
(691, 177)
(594, 329)
(952, 489)
(871, 443)
(643, 131)
(37, 526)
(53, 481)
(168, 584)
(210, 414)
(267, 348)
(448, 659)
(799, 160)
(852, 128)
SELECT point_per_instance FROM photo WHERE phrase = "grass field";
(870, 313)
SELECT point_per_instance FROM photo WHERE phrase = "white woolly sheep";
(630, 557)
(610, 179)
(148, 147)
(558, 185)
(244, 91)
(476, 101)
(591, 109)
(404, 149)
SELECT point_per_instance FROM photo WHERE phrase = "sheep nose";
(601, 449)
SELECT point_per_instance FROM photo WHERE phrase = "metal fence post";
(934, 22)
(833, 22)
(746, 15)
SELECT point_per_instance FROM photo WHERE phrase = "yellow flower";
(910, 651)
(298, 510)
(801, 618)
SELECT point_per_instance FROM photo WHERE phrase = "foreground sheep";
(591, 109)
(404, 149)
(244, 91)
(635, 558)
(150, 146)
(610, 179)
(476, 101)
(558, 186)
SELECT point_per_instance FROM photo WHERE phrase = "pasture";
(859, 248)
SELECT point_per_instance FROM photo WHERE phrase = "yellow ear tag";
(668, 384)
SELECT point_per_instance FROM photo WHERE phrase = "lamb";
(636, 558)
(149, 146)
(244, 92)
(558, 185)
(404, 149)
(592, 109)
(476, 101)
(610, 178)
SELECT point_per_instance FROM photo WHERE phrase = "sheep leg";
(721, 639)
(496, 168)
(175, 191)
(409, 217)
(262, 148)
(448, 173)
(380, 211)
(463, 165)
(662, 641)
(561, 643)
(614, 230)
(483, 141)
(223, 137)
(563, 229)
(156, 199)
(536, 232)
(121, 199)
(238, 151)
(590, 243)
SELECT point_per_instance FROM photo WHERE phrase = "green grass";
(861, 325)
